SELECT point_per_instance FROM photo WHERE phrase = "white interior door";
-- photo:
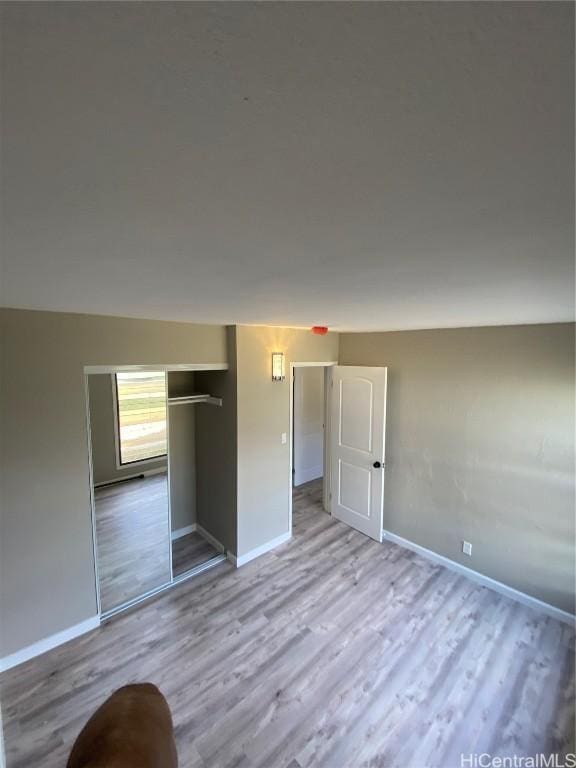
(358, 447)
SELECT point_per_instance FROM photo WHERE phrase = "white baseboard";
(48, 643)
(254, 553)
(307, 475)
(480, 578)
(179, 532)
(210, 539)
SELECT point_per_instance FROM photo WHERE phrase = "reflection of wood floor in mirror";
(132, 532)
(189, 551)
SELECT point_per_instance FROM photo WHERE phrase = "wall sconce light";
(278, 366)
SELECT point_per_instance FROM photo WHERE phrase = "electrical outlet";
(467, 548)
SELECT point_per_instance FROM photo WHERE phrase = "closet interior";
(156, 438)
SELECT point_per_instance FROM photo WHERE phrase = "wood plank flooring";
(133, 538)
(330, 651)
(189, 551)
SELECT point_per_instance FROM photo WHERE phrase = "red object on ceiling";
(321, 330)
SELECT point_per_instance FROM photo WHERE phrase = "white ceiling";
(357, 165)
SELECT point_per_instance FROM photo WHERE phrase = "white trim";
(486, 581)
(210, 539)
(179, 532)
(40, 647)
(91, 496)
(115, 420)
(327, 481)
(195, 399)
(254, 553)
(216, 560)
(314, 365)
(166, 367)
(169, 489)
(146, 473)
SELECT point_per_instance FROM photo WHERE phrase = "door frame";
(327, 365)
(110, 369)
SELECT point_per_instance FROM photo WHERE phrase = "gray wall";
(182, 458)
(182, 451)
(480, 446)
(102, 416)
(216, 458)
(181, 383)
(46, 558)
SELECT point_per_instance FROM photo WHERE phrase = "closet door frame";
(111, 369)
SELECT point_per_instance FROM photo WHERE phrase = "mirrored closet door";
(154, 480)
(128, 425)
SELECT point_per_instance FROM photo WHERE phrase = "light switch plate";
(284, 438)
(467, 548)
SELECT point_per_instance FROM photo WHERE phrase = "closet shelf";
(196, 398)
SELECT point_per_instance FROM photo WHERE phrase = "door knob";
(376, 465)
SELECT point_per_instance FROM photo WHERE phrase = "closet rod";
(192, 399)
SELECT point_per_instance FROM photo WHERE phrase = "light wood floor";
(189, 551)
(332, 651)
(133, 538)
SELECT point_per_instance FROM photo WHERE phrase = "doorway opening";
(354, 427)
(309, 443)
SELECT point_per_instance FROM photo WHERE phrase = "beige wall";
(263, 415)
(47, 579)
(46, 559)
(480, 446)
(102, 416)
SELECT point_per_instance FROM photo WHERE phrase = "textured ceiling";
(357, 165)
